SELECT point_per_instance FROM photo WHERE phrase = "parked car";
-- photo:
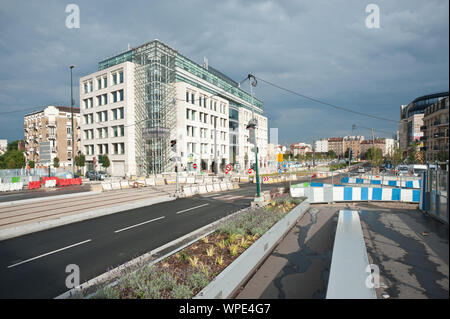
(361, 170)
(96, 176)
(402, 170)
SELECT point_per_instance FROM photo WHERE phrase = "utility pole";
(71, 111)
(252, 127)
(373, 147)
(216, 170)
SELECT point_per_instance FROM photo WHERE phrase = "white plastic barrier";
(124, 184)
(229, 185)
(182, 180)
(150, 182)
(115, 185)
(216, 187)
(223, 186)
(202, 189)
(188, 191)
(194, 190)
(210, 188)
(50, 183)
(190, 180)
(106, 186)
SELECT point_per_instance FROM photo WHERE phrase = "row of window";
(202, 100)
(191, 131)
(116, 131)
(117, 114)
(116, 148)
(102, 81)
(205, 148)
(203, 118)
(116, 96)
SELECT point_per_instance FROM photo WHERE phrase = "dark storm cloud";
(318, 48)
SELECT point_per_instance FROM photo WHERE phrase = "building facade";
(336, 144)
(139, 101)
(435, 128)
(3, 146)
(52, 125)
(378, 143)
(353, 143)
(321, 146)
(411, 119)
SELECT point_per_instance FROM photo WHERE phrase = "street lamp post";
(253, 83)
(71, 115)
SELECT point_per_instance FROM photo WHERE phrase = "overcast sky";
(321, 49)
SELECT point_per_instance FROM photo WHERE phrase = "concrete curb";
(139, 261)
(231, 278)
(52, 223)
(33, 200)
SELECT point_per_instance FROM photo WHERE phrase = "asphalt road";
(34, 265)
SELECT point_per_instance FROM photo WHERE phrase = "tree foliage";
(56, 162)
(105, 161)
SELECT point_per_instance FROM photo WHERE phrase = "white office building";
(139, 101)
(321, 146)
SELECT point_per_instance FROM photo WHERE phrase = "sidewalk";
(410, 248)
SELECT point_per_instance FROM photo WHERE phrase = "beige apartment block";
(379, 143)
(435, 130)
(53, 124)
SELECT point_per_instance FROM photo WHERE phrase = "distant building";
(411, 119)
(354, 144)
(53, 124)
(389, 146)
(435, 128)
(336, 144)
(300, 149)
(321, 146)
(379, 143)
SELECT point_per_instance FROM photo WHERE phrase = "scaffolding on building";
(155, 112)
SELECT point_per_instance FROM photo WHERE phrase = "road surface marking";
(182, 211)
(129, 227)
(52, 252)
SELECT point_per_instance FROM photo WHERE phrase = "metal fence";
(25, 175)
(435, 191)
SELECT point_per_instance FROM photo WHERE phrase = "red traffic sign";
(195, 165)
(250, 170)
(228, 167)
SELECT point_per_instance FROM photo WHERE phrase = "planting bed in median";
(186, 272)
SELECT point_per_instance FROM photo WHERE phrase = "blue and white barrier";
(336, 193)
(395, 183)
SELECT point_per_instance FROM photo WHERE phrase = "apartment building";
(300, 149)
(321, 146)
(3, 146)
(336, 144)
(141, 100)
(52, 126)
(378, 143)
(353, 143)
(411, 119)
(435, 128)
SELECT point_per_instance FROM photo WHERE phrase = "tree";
(331, 154)
(31, 164)
(56, 162)
(347, 153)
(80, 160)
(105, 161)
(375, 155)
(397, 157)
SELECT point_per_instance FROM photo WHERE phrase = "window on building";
(91, 102)
(114, 95)
(122, 113)
(105, 82)
(99, 100)
(122, 148)
(114, 78)
(121, 77)
(114, 113)
(99, 83)
(192, 98)
(187, 114)
(91, 86)
(121, 95)
(200, 100)
(86, 88)
(115, 131)
(187, 96)
(105, 99)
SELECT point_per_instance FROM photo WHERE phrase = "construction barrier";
(6, 187)
(34, 185)
(328, 194)
(395, 183)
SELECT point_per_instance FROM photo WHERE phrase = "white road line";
(182, 211)
(129, 227)
(52, 252)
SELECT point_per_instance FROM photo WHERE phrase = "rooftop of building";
(213, 72)
(59, 107)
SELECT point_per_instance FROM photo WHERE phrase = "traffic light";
(173, 145)
(251, 127)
